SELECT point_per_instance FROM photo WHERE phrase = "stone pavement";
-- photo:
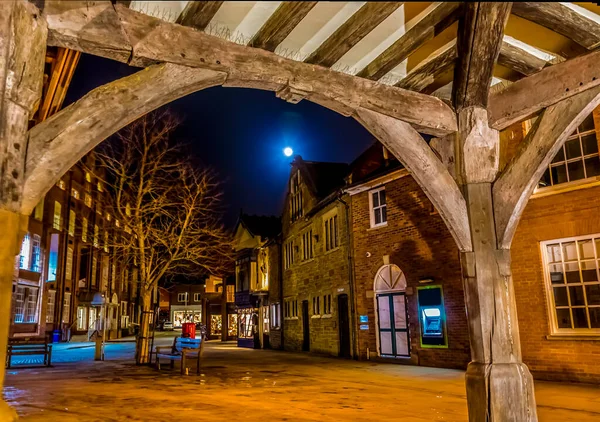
(243, 384)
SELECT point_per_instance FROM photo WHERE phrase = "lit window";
(230, 293)
(105, 241)
(31, 305)
(117, 223)
(75, 193)
(88, 177)
(197, 297)
(50, 306)
(295, 197)
(69, 264)
(307, 245)
(100, 186)
(36, 254)
(331, 233)
(88, 200)
(94, 270)
(571, 274)
(96, 240)
(39, 211)
(182, 297)
(577, 159)
(19, 305)
(66, 307)
(53, 257)
(61, 184)
(275, 315)
(327, 304)
(84, 229)
(25, 252)
(108, 217)
(290, 309)
(57, 215)
(378, 207)
(289, 254)
(72, 218)
(316, 305)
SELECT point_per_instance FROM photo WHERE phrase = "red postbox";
(188, 330)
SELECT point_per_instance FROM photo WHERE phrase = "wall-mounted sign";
(363, 318)
(341, 289)
(364, 327)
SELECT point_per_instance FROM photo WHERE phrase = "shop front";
(181, 314)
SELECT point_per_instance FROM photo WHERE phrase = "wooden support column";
(22, 50)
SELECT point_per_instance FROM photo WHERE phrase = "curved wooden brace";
(516, 184)
(429, 172)
(56, 144)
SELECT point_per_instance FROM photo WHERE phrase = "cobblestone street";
(242, 383)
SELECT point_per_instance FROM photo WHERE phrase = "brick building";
(316, 270)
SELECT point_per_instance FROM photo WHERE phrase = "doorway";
(344, 326)
(305, 327)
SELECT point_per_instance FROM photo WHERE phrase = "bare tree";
(169, 209)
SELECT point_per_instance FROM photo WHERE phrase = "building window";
(19, 297)
(57, 212)
(61, 184)
(75, 193)
(50, 306)
(96, 241)
(104, 273)
(72, 218)
(571, 274)
(53, 257)
(577, 159)
(316, 305)
(94, 270)
(84, 229)
(88, 177)
(66, 308)
(69, 264)
(295, 197)
(289, 254)
(25, 252)
(38, 213)
(327, 304)
(197, 297)
(276, 315)
(87, 198)
(31, 305)
(230, 293)
(331, 233)
(105, 241)
(378, 207)
(307, 245)
(36, 254)
(182, 297)
(81, 318)
(100, 186)
(291, 309)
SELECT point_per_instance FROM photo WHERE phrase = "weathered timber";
(152, 40)
(56, 144)
(479, 147)
(433, 23)
(427, 169)
(520, 60)
(197, 14)
(283, 21)
(351, 32)
(549, 132)
(429, 69)
(89, 27)
(562, 19)
(480, 33)
(529, 95)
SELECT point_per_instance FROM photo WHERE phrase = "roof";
(267, 227)
(322, 177)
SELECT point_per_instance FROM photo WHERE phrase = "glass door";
(392, 316)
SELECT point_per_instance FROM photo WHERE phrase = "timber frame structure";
(459, 170)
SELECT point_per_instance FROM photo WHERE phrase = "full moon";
(288, 151)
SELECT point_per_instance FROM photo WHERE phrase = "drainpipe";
(350, 279)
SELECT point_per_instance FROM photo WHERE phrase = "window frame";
(197, 297)
(374, 225)
(185, 297)
(554, 329)
(332, 242)
(308, 253)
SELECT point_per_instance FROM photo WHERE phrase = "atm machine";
(432, 316)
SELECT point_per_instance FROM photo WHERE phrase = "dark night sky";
(241, 134)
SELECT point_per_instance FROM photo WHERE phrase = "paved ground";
(242, 384)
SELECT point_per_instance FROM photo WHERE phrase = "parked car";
(166, 326)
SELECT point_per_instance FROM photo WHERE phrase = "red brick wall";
(558, 216)
(417, 240)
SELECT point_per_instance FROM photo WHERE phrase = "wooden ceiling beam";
(480, 34)
(428, 70)
(519, 60)
(351, 32)
(283, 21)
(552, 84)
(561, 19)
(197, 14)
(141, 40)
(432, 24)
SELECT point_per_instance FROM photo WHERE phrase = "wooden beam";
(480, 34)
(351, 32)
(441, 17)
(517, 182)
(151, 40)
(519, 60)
(427, 169)
(562, 19)
(287, 16)
(197, 14)
(56, 144)
(425, 73)
(552, 84)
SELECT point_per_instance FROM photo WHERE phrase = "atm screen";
(431, 308)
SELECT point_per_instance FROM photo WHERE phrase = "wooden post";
(499, 385)
(22, 50)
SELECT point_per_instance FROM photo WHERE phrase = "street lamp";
(99, 300)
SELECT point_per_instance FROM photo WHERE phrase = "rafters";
(197, 14)
(351, 32)
(426, 26)
(428, 70)
(519, 59)
(281, 23)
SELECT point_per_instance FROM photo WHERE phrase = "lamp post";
(99, 300)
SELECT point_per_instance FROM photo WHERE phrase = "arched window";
(390, 278)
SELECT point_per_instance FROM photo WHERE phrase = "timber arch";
(480, 202)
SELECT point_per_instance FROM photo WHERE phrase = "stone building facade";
(316, 277)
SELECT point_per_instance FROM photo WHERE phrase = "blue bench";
(29, 347)
(183, 349)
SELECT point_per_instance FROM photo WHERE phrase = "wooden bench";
(29, 347)
(182, 349)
